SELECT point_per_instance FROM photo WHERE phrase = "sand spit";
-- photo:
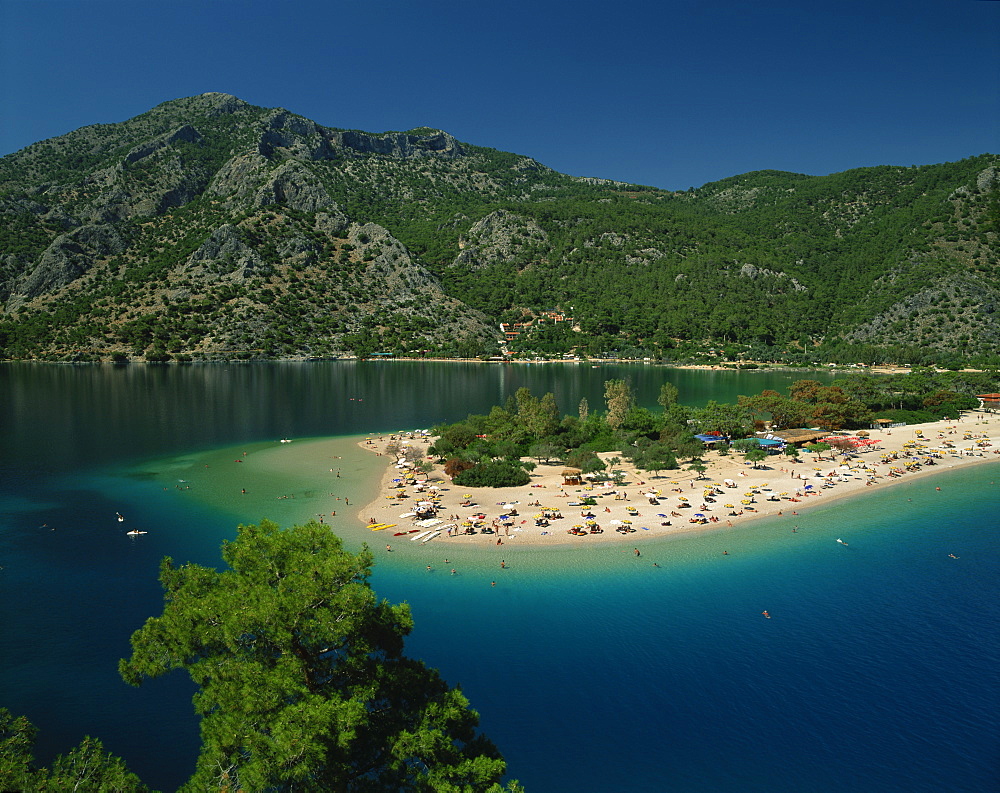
(644, 506)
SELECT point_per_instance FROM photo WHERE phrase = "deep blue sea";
(592, 669)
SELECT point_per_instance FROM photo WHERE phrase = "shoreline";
(781, 489)
(744, 367)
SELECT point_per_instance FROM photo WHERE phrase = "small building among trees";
(572, 476)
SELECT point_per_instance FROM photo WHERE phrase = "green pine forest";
(209, 229)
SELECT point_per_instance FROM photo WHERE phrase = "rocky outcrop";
(288, 135)
(753, 272)
(398, 144)
(68, 257)
(292, 185)
(387, 261)
(251, 180)
(962, 305)
(227, 254)
(185, 133)
(500, 237)
(240, 177)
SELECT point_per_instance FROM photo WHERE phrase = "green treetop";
(620, 399)
(87, 768)
(302, 680)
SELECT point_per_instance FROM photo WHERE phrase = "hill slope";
(210, 228)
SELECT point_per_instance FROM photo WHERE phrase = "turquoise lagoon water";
(593, 669)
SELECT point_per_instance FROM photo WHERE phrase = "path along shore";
(644, 506)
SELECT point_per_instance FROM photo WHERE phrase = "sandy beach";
(728, 494)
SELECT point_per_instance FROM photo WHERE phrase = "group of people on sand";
(857, 470)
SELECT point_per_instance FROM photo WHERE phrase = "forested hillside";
(208, 228)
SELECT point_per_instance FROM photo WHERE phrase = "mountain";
(208, 228)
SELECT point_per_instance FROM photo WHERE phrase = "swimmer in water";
(766, 614)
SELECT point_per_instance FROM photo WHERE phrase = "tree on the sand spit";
(302, 681)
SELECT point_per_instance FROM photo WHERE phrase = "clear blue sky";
(673, 93)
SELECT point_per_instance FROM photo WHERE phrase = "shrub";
(493, 473)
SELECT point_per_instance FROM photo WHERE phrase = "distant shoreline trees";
(528, 427)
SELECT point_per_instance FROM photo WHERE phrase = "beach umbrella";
(683, 498)
(729, 506)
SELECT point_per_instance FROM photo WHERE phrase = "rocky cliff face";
(500, 238)
(67, 258)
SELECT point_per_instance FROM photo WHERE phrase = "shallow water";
(593, 670)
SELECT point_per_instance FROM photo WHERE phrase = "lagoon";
(877, 670)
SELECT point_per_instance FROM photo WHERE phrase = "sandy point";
(644, 505)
